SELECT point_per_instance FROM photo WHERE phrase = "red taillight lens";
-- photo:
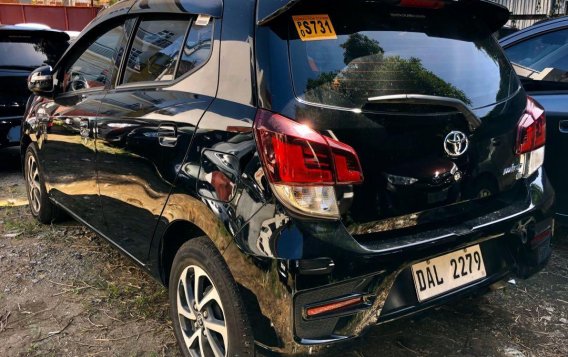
(531, 131)
(334, 306)
(294, 154)
(347, 165)
(428, 4)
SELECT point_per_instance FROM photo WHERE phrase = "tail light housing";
(531, 138)
(303, 166)
(531, 131)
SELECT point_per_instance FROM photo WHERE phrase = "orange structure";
(68, 18)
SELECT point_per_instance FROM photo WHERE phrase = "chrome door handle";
(563, 126)
(167, 135)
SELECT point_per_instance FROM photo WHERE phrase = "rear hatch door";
(424, 95)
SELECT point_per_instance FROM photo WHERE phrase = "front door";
(68, 149)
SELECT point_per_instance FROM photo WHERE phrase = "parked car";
(295, 171)
(22, 49)
(505, 31)
(540, 57)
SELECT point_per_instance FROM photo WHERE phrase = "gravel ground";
(66, 292)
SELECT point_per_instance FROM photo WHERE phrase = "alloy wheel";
(201, 314)
(33, 182)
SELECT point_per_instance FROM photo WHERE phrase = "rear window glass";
(30, 54)
(384, 55)
(155, 50)
(197, 48)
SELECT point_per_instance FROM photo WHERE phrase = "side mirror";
(40, 81)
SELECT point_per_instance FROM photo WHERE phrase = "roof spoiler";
(494, 15)
(47, 34)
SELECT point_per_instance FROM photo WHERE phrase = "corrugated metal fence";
(527, 12)
(69, 18)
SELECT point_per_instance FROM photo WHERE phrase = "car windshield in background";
(21, 54)
(25, 51)
(372, 58)
(542, 58)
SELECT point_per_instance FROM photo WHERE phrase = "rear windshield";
(29, 52)
(393, 53)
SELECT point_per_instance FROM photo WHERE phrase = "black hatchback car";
(295, 171)
(22, 49)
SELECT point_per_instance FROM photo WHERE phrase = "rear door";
(147, 122)
(542, 63)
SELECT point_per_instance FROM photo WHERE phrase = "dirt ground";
(66, 292)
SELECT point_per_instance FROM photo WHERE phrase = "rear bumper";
(10, 131)
(304, 264)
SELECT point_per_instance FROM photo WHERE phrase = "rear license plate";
(447, 272)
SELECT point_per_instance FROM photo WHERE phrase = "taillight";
(428, 4)
(531, 131)
(303, 165)
(531, 138)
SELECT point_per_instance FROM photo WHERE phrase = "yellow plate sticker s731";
(314, 27)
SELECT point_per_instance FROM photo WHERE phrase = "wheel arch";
(185, 218)
(176, 234)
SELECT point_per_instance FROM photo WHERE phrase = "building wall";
(57, 17)
(527, 12)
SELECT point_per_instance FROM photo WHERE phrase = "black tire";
(41, 206)
(194, 258)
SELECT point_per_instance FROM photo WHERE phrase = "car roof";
(535, 29)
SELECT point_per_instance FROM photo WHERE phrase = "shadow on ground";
(10, 160)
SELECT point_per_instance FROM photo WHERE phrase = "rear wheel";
(207, 310)
(41, 206)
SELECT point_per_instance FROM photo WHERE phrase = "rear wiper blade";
(472, 119)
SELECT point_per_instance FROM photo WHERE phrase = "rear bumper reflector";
(333, 306)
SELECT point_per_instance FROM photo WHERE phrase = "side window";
(197, 48)
(547, 54)
(95, 67)
(155, 50)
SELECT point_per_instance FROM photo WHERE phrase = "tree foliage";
(369, 73)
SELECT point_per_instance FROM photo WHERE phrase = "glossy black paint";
(553, 99)
(105, 162)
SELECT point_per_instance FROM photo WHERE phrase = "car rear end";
(398, 141)
(22, 49)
